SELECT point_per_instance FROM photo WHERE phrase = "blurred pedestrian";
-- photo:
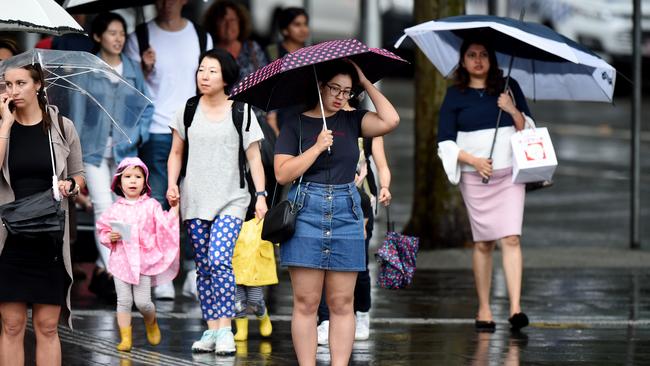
(213, 193)
(8, 48)
(327, 249)
(466, 130)
(36, 269)
(74, 41)
(108, 31)
(143, 240)
(293, 24)
(168, 48)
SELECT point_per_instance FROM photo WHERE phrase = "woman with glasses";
(327, 249)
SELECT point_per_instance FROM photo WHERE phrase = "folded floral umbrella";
(396, 258)
(38, 16)
(97, 99)
(284, 82)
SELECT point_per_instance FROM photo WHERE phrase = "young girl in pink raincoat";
(144, 244)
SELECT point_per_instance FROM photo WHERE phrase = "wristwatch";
(261, 193)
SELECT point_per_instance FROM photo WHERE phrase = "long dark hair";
(36, 73)
(100, 24)
(327, 71)
(494, 83)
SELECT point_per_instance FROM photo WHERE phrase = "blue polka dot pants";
(213, 244)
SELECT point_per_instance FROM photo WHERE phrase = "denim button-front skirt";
(329, 229)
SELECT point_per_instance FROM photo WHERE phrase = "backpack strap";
(142, 35)
(203, 37)
(188, 117)
(238, 120)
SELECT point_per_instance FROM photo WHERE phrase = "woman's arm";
(385, 119)
(505, 102)
(254, 158)
(379, 155)
(174, 163)
(6, 121)
(482, 165)
(288, 167)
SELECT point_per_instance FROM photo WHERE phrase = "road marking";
(569, 321)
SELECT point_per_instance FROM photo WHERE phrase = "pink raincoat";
(153, 248)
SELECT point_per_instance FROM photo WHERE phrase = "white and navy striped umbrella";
(547, 65)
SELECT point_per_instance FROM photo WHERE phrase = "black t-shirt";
(338, 167)
(30, 164)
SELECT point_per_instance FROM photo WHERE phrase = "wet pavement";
(587, 296)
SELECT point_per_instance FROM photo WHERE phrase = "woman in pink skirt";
(467, 122)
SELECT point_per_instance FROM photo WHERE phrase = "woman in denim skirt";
(327, 249)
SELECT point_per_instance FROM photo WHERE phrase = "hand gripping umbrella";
(284, 82)
(547, 65)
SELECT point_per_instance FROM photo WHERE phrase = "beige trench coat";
(68, 150)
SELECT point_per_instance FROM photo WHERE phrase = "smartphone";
(12, 106)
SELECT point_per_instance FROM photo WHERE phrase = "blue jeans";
(155, 153)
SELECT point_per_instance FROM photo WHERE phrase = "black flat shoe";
(485, 326)
(518, 321)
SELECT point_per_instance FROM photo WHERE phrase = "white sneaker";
(165, 291)
(225, 343)
(189, 286)
(206, 343)
(362, 330)
(323, 332)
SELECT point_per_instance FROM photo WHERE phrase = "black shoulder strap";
(238, 120)
(142, 35)
(203, 37)
(188, 117)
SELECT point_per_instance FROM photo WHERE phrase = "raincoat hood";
(130, 162)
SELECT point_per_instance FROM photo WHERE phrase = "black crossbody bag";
(280, 221)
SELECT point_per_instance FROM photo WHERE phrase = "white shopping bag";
(533, 156)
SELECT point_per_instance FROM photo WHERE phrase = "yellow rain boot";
(266, 328)
(153, 333)
(242, 329)
(127, 339)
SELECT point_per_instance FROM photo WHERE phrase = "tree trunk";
(438, 216)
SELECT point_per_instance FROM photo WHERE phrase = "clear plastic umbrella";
(95, 97)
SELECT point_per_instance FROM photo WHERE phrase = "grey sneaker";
(225, 345)
(206, 343)
(323, 332)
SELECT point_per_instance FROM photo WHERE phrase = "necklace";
(481, 92)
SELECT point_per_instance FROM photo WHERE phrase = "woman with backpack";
(213, 193)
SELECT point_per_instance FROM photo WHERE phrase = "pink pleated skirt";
(496, 209)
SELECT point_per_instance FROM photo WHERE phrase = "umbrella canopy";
(98, 6)
(284, 82)
(37, 16)
(547, 65)
(99, 101)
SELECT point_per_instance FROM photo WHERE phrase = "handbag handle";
(295, 198)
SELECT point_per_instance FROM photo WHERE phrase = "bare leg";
(219, 323)
(339, 288)
(14, 319)
(48, 345)
(482, 264)
(513, 267)
(307, 287)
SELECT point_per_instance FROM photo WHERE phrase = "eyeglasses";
(335, 91)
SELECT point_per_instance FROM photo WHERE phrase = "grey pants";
(126, 293)
(249, 296)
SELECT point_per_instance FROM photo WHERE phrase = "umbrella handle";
(389, 227)
(322, 110)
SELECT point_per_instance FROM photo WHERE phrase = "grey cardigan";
(66, 150)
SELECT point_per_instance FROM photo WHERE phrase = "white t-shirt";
(211, 184)
(173, 79)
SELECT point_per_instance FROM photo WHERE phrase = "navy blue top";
(473, 110)
(338, 167)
